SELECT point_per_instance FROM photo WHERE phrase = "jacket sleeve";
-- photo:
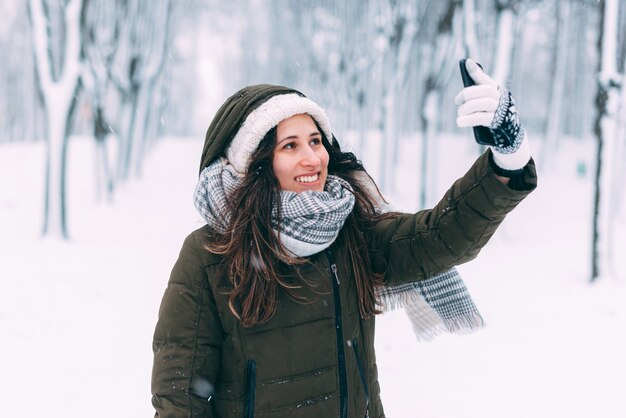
(187, 341)
(416, 246)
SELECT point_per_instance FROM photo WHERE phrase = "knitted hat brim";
(265, 117)
(231, 116)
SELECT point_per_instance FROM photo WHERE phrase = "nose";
(310, 157)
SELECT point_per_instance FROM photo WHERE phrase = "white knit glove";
(487, 104)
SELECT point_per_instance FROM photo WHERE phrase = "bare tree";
(620, 148)
(620, 152)
(399, 26)
(605, 129)
(440, 54)
(553, 129)
(101, 27)
(138, 63)
(356, 63)
(580, 91)
(506, 16)
(19, 98)
(470, 43)
(57, 46)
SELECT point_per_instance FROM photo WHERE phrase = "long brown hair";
(253, 252)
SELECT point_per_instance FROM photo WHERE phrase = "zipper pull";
(333, 267)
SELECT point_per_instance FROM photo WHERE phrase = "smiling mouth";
(308, 179)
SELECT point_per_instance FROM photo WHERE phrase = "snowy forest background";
(103, 109)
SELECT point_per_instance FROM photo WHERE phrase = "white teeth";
(307, 179)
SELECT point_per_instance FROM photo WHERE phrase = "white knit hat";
(265, 117)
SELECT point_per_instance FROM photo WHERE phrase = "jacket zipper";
(341, 354)
(250, 389)
(359, 367)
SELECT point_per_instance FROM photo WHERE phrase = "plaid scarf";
(439, 304)
(311, 221)
(308, 223)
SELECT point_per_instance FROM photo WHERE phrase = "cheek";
(279, 165)
(325, 158)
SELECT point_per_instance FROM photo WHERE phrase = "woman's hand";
(487, 104)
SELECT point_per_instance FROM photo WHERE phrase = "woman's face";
(300, 160)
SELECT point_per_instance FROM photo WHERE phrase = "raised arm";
(417, 246)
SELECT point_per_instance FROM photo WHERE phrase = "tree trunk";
(605, 130)
(58, 96)
(147, 33)
(502, 58)
(439, 57)
(620, 151)
(428, 164)
(401, 38)
(100, 31)
(553, 129)
(470, 44)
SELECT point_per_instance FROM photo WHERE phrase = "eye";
(316, 141)
(289, 145)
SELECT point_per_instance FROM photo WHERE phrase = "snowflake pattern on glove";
(506, 127)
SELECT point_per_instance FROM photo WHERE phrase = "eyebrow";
(296, 136)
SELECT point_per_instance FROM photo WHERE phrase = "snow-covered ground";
(76, 317)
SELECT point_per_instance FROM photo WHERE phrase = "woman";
(270, 307)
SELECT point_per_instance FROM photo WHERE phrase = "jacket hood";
(231, 115)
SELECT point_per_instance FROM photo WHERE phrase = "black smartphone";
(482, 134)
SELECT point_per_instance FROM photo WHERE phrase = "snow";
(77, 317)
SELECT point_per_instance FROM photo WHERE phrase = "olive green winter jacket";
(314, 359)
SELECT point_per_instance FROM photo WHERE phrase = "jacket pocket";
(250, 389)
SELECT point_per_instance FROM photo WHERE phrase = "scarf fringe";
(464, 325)
(392, 301)
(467, 322)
